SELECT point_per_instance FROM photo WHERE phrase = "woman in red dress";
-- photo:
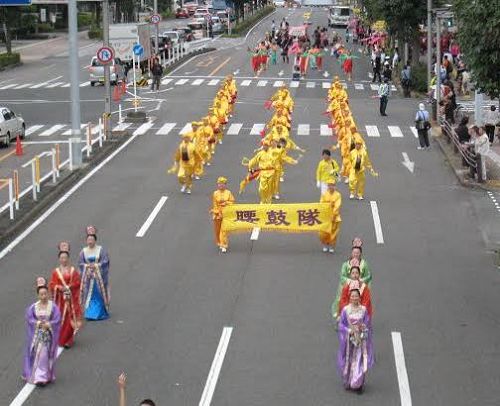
(355, 283)
(64, 287)
(348, 66)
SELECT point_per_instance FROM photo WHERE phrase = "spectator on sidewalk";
(481, 149)
(384, 92)
(376, 64)
(387, 72)
(156, 73)
(491, 119)
(422, 122)
(122, 382)
(406, 80)
(462, 131)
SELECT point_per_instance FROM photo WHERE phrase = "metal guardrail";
(465, 150)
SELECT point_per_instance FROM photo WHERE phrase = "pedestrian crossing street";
(207, 81)
(233, 129)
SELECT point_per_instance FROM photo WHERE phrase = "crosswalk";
(192, 81)
(371, 131)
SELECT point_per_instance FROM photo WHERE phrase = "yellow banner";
(296, 217)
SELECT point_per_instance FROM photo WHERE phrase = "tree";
(479, 39)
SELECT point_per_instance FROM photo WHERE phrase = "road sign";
(155, 19)
(105, 54)
(138, 49)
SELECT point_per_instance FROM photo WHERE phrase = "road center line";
(376, 222)
(213, 375)
(399, 358)
(218, 68)
(142, 231)
(255, 234)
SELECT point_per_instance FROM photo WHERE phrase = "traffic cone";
(124, 87)
(19, 146)
(116, 94)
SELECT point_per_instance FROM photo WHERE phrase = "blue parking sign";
(138, 49)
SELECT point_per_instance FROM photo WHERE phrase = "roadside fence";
(465, 150)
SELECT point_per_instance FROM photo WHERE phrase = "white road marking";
(30, 130)
(414, 131)
(399, 358)
(370, 75)
(395, 131)
(294, 83)
(63, 198)
(245, 83)
(68, 132)
(66, 85)
(142, 231)
(303, 129)
(359, 86)
(143, 128)
(213, 82)
(213, 375)
(166, 128)
(278, 83)
(52, 130)
(394, 88)
(234, 129)
(407, 163)
(121, 127)
(324, 130)
(376, 223)
(8, 86)
(372, 131)
(326, 85)
(256, 129)
(311, 85)
(197, 82)
(255, 234)
(187, 128)
(84, 84)
(182, 81)
(24, 86)
(166, 81)
(56, 84)
(374, 86)
(262, 83)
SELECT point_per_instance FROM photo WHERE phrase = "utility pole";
(107, 76)
(429, 43)
(157, 29)
(438, 62)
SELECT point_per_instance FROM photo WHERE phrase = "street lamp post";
(429, 43)
(107, 76)
(157, 29)
(438, 62)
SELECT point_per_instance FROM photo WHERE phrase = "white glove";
(318, 184)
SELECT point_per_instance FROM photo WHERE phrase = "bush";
(419, 78)
(95, 32)
(245, 25)
(167, 14)
(85, 19)
(45, 27)
(9, 59)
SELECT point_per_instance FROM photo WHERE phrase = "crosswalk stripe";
(68, 132)
(166, 81)
(66, 85)
(324, 130)
(373, 86)
(52, 130)
(38, 85)
(256, 129)
(303, 129)
(84, 84)
(245, 83)
(358, 86)
(311, 85)
(395, 131)
(8, 86)
(197, 82)
(121, 127)
(326, 85)
(278, 83)
(181, 81)
(24, 86)
(394, 88)
(30, 130)
(187, 128)
(234, 129)
(143, 128)
(414, 131)
(54, 85)
(165, 128)
(372, 131)
(213, 82)
(262, 83)
(294, 83)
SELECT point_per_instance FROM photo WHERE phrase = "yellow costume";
(359, 162)
(264, 161)
(325, 171)
(335, 199)
(280, 158)
(185, 160)
(220, 199)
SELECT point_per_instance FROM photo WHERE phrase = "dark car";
(185, 33)
(181, 13)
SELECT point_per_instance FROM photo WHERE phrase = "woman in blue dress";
(94, 288)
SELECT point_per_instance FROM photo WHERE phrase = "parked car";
(96, 71)
(223, 16)
(279, 3)
(197, 29)
(11, 126)
(181, 13)
(175, 36)
(202, 10)
(186, 34)
(217, 25)
(199, 18)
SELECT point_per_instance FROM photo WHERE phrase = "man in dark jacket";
(156, 73)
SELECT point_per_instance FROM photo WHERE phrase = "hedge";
(245, 25)
(85, 19)
(95, 32)
(9, 59)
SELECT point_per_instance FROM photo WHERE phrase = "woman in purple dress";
(42, 333)
(355, 355)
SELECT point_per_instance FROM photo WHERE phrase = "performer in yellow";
(208, 137)
(359, 162)
(278, 149)
(263, 160)
(329, 240)
(185, 159)
(222, 116)
(221, 198)
(200, 145)
(279, 118)
(326, 170)
(213, 120)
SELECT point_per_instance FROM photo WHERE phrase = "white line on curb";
(143, 230)
(399, 357)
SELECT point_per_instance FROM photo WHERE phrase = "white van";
(340, 16)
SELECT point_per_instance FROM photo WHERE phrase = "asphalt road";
(172, 293)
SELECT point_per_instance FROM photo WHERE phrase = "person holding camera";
(422, 123)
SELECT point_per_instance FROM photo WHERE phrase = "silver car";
(11, 126)
(96, 71)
